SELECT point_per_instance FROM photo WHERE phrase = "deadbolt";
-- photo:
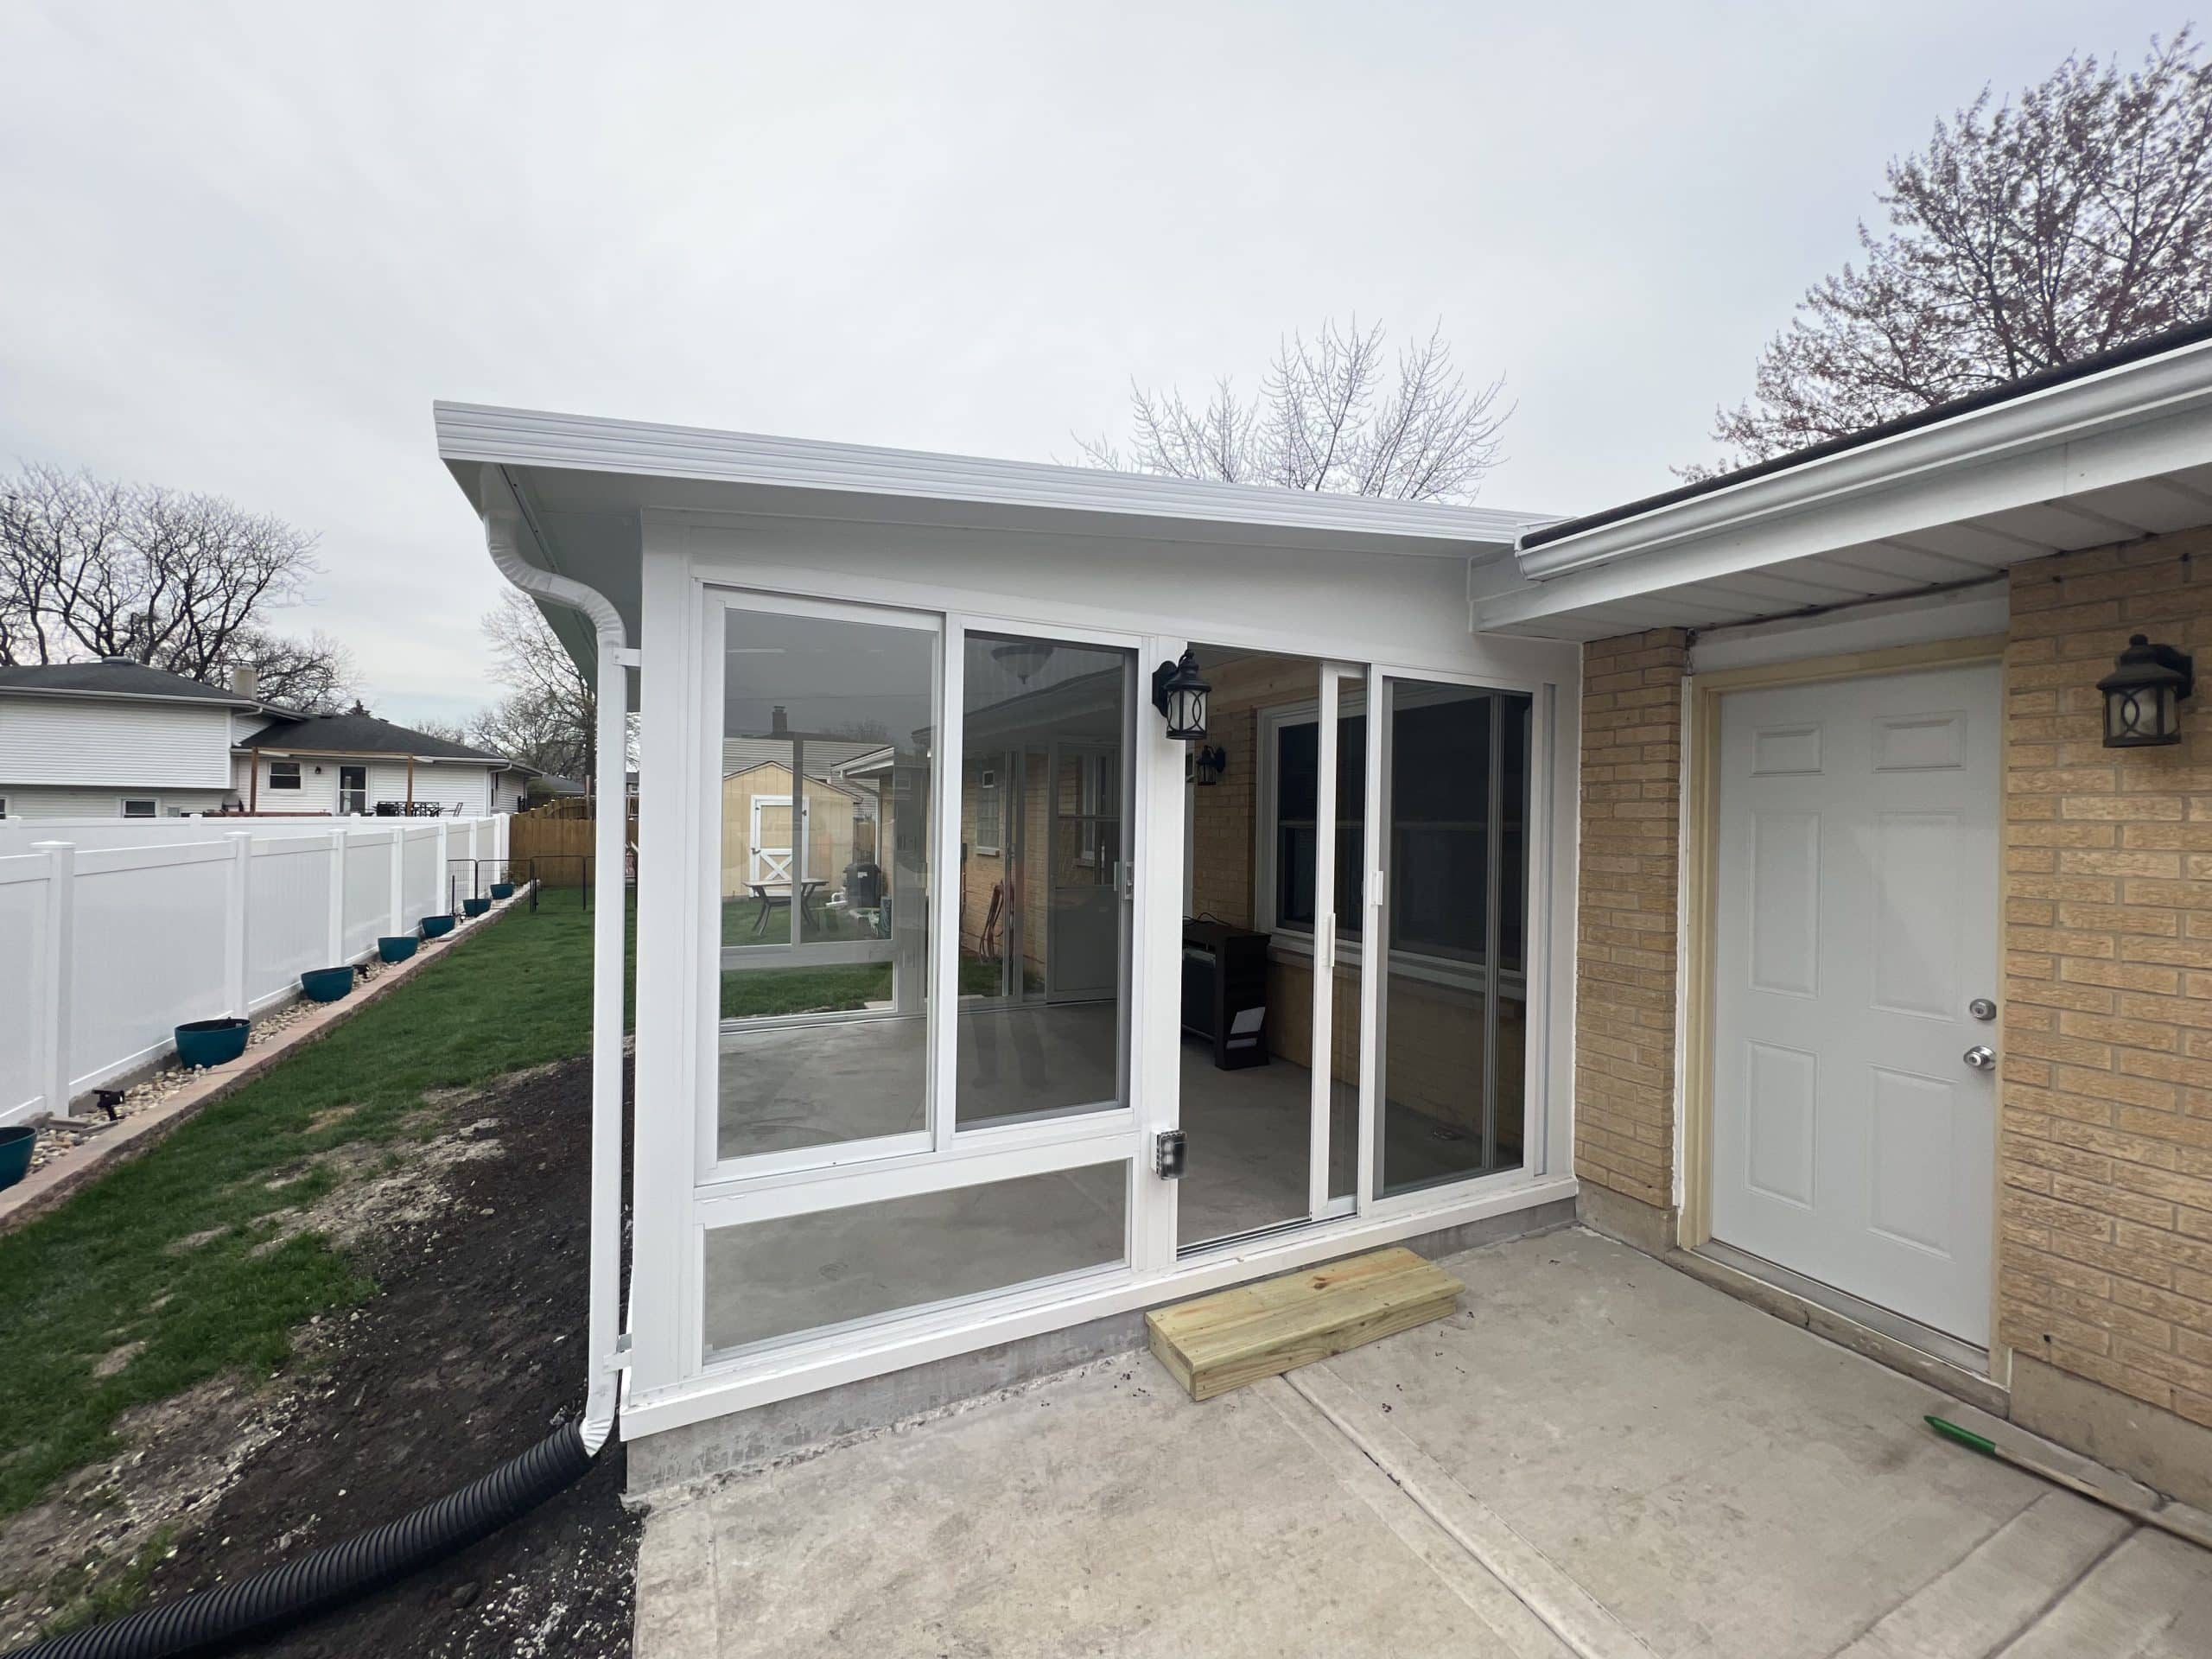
(1982, 1009)
(1981, 1056)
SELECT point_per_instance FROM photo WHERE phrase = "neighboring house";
(115, 739)
(355, 762)
(1757, 872)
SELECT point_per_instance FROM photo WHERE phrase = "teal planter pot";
(397, 947)
(474, 907)
(502, 889)
(436, 927)
(210, 1042)
(328, 984)
(16, 1145)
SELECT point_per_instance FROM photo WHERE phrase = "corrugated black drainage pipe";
(213, 1621)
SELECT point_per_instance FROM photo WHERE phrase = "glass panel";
(1044, 918)
(824, 892)
(1456, 780)
(767, 1279)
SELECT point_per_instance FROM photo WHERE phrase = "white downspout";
(610, 930)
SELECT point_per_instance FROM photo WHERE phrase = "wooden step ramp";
(1224, 1341)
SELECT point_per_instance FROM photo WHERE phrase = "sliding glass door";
(1269, 1056)
(1452, 788)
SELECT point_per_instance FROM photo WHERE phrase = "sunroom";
(1057, 892)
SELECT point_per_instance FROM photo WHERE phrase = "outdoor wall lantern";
(1179, 693)
(1211, 763)
(2143, 695)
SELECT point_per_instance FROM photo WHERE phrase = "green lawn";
(754, 992)
(169, 1251)
(741, 917)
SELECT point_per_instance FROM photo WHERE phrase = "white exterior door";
(1853, 1140)
(772, 840)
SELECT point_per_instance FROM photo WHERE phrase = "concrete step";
(1235, 1337)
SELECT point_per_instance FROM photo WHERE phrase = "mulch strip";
(472, 1350)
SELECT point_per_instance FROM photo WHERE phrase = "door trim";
(1702, 695)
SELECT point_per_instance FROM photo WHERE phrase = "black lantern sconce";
(1210, 763)
(1180, 692)
(2143, 695)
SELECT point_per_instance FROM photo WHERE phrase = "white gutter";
(2073, 413)
(605, 1349)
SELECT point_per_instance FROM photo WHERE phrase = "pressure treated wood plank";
(1235, 1337)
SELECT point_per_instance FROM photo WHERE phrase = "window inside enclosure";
(822, 903)
(1298, 795)
(1452, 1019)
(1045, 829)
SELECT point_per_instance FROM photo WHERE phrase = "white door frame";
(1698, 909)
(762, 856)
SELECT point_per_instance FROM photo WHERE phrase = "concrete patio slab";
(1598, 1456)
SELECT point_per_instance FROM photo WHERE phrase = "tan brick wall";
(2106, 1150)
(1625, 919)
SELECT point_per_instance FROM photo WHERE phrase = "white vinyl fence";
(115, 932)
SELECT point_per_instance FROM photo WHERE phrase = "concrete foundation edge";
(1639, 1225)
(2165, 1451)
(745, 1439)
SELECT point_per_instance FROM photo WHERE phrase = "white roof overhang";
(580, 484)
(2107, 457)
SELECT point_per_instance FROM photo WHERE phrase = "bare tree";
(179, 581)
(550, 719)
(1334, 414)
(2028, 234)
(314, 675)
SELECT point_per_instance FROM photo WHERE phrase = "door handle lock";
(1981, 1056)
(1982, 1009)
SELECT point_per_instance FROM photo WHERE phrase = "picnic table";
(771, 900)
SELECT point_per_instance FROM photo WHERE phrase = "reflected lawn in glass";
(743, 923)
(838, 987)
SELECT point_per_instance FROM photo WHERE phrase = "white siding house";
(354, 763)
(114, 739)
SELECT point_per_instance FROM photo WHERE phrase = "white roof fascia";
(516, 437)
(2060, 423)
(225, 701)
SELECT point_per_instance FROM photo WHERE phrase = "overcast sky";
(245, 246)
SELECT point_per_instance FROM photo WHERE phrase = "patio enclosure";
(925, 921)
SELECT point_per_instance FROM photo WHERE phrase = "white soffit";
(2112, 456)
(700, 469)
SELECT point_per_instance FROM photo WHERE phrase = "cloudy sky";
(246, 246)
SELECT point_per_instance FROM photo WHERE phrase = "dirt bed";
(470, 1350)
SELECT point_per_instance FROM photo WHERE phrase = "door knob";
(1981, 1056)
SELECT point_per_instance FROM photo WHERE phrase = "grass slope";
(173, 1251)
